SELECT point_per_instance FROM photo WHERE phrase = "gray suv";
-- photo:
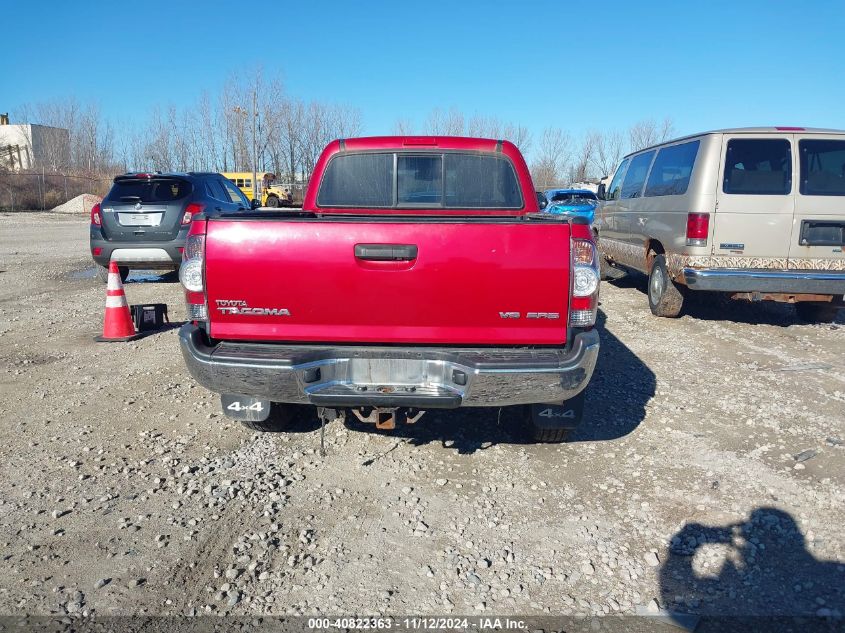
(143, 221)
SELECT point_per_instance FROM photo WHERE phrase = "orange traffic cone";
(117, 324)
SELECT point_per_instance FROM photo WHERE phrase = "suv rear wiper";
(130, 198)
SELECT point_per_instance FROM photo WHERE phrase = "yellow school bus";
(270, 194)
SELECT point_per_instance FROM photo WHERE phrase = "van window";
(822, 167)
(616, 184)
(671, 171)
(635, 177)
(758, 166)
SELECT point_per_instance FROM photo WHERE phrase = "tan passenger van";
(757, 213)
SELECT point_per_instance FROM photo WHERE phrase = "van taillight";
(96, 220)
(698, 227)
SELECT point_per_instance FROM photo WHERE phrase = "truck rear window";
(449, 180)
(149, 190)
(822, 167)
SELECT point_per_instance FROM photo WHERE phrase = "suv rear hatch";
(496, 281)
(145, 207)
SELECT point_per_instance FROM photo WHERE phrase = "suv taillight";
(96, 220)
(192, 276)
(190, 211)
(585, 284)
(698, 227)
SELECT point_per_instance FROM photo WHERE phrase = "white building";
(31, 146)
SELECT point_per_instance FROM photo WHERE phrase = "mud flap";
(245, 408)
(559, 415)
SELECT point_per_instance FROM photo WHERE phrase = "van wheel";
(665, 297)
(272, 201)
(103, 273)
(816, 312)
(280, 419)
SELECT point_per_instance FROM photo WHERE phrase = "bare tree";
(157, 153)
(292, 115)
(518, 135)
(88, 148)
(649, 132)
(609, 149)
(450, 123)
(403, 127)
(552, 157)
(579, 171)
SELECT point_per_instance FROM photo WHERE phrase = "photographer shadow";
(748, 573)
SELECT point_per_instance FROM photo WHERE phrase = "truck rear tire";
(553, 422)
(272, 201)
(550, 436)
(811, 312)
(280, 419)
(665, 297)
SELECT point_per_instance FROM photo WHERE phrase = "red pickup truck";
(419, 274)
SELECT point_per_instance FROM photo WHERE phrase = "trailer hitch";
(386, 418)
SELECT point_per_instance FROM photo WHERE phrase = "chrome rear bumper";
(760, 280)
(421, 377)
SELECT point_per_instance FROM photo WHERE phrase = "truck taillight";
(96, 220)
(698, 227)
(585, 284)
(190, 211)
(191, 274)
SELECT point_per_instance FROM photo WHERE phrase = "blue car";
(574, 202)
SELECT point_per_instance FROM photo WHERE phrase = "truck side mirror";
(602, 192)
(255, 203)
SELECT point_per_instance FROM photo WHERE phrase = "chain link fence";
(45, 191)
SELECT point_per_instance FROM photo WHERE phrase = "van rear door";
(818, 229)
(755, 205)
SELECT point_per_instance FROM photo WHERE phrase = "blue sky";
(575, 65)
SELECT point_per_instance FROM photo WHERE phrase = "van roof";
(746, 130)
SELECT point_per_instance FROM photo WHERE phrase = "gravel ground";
(707, 476)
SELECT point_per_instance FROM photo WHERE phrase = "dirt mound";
(80, 204)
